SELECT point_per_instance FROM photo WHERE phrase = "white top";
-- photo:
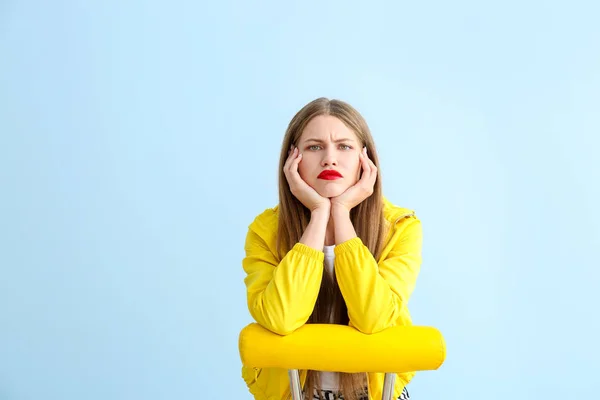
(329, 380)
(329, 257)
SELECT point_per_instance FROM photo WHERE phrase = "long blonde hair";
(367, 219)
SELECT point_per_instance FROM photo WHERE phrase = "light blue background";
(140, 138)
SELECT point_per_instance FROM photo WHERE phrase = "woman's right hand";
(299, 188)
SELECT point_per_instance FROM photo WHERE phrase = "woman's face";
(328, 144)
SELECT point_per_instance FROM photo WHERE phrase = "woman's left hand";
(355, 194)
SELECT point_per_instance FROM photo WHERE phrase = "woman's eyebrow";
(335, 141)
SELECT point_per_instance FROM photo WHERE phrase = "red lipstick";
(329, 174)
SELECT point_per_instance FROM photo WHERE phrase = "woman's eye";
(315, 146)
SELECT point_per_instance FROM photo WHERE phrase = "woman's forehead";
(327, 129)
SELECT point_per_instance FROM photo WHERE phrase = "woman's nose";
(329, 158)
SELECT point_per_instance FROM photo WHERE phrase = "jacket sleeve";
(375, 293)
(281, 295)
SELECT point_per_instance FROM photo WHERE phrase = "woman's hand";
(299, 188)
(362, 189)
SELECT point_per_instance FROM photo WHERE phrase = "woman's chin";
(330, 191)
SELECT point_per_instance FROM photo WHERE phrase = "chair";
(393, 350)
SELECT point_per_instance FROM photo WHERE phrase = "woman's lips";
(329, 175)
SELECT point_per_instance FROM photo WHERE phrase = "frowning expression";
(327, 144)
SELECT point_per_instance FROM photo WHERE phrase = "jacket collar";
(391, 212)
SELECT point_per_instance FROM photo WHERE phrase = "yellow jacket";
(281, 294)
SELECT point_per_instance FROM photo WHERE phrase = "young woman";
(334, 250)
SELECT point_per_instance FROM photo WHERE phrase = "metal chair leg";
(388, 386)
(295, 384)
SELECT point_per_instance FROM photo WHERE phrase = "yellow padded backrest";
(329, 347)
